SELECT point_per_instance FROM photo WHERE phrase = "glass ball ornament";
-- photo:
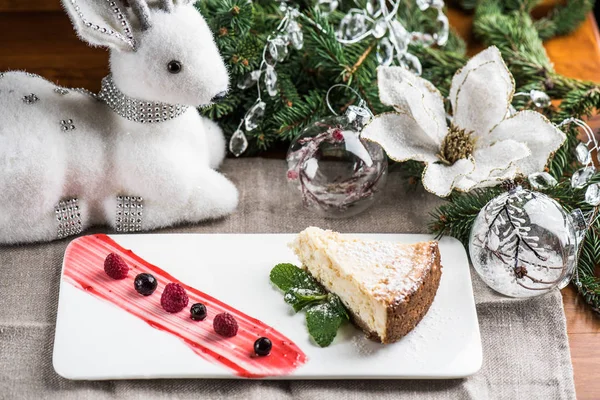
(337, 173)
(524, 244)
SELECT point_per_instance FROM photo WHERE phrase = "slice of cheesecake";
(386, 286)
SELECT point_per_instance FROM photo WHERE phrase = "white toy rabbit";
(137, 156)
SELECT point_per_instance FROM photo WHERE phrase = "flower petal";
(497, 157)
(404, 90)
(533, 129)
(481, 92)
(401, 137)
(492, 163)
(439, 178)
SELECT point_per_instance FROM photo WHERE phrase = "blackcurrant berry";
(263, 346)
(145, 284)
(198, 312)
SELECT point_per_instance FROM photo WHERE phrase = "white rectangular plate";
(96, 340)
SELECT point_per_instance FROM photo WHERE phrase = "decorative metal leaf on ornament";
(481, 146)
(271, 81)
(238, 143)
(542, 181)
(524, 244)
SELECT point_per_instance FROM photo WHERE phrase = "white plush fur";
(170, 164)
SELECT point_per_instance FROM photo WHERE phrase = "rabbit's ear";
(102, 23)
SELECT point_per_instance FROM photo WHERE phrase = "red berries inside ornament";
(115, 266)
(174, 298)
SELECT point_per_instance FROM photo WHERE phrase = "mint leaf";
(324, 319)
(288, 276)
(300, 298)
(325, 311)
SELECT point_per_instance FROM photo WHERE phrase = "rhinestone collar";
(144, 112)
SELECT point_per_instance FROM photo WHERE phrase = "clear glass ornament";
(278, 48)
(249, 80)
(539, 98)
(524, 244)
(592, 195)
(542, 181)
(271, 80)
(336, 172)
(385, 52)
(255, 115)
(353, 25)
(238, 143)
(581, 177)
(584, 156)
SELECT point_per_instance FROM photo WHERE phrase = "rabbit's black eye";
(174, 67)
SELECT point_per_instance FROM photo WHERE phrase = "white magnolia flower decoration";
(483, 145)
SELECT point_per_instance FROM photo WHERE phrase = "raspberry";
(225, 325)
(174, 298)
(115, 266)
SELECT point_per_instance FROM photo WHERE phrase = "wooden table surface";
(36, 36)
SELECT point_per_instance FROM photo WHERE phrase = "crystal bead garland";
(537, 97)
(592, 195)
(238, 143)
(288, 33)
(584, 150)
(378, 21)
(271, 81)
(255, 115)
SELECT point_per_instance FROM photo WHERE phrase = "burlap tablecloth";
(525, 348)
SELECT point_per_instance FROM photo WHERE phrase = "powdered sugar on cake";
(387, 270)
